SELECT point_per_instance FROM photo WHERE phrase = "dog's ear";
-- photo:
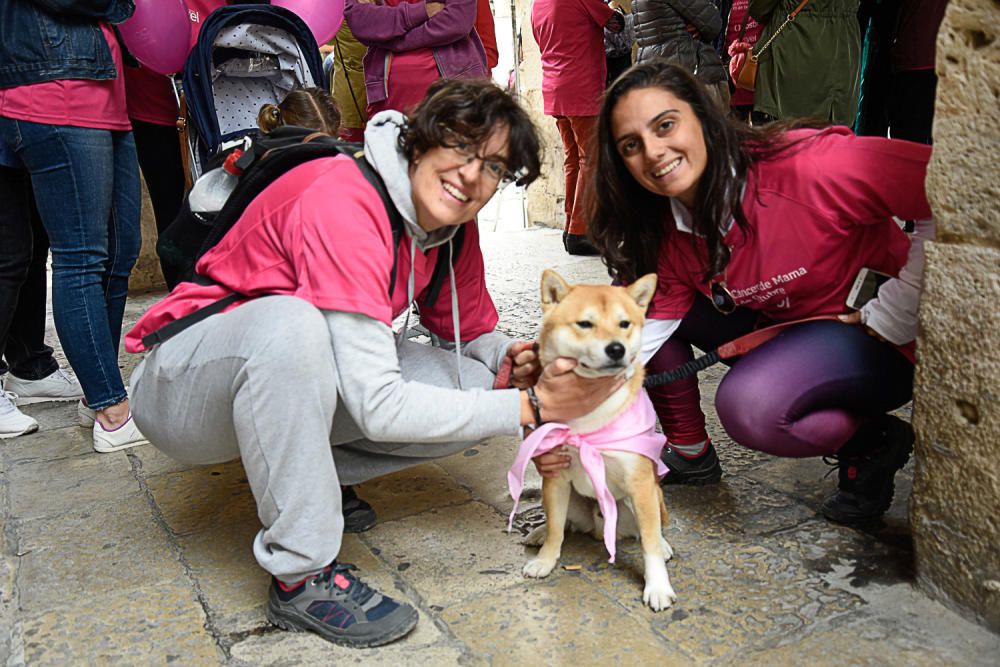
(554, 288)
(642, 290)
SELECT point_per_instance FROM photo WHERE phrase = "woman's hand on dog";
(564, 395)
(526, 366)
(552, 462)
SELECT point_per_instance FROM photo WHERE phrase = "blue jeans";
(86, 185)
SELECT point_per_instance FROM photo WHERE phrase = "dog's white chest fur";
(617, 466)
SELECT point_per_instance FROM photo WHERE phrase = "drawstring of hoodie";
(411, 288)
(454, 314)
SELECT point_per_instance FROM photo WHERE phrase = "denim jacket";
(49, 40)
(386, 29)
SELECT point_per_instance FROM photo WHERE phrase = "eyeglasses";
(722, 298)
(493, 170)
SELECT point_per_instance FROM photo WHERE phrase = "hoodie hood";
(383, 153)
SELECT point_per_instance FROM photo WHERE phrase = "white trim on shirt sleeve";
(654, 335)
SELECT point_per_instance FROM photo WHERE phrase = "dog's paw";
(668, 551)
(536, 537)
(659, 597)
(536, 568)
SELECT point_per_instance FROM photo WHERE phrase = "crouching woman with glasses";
(748, 227)
(305, 381)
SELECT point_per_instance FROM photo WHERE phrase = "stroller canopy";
(246, 56)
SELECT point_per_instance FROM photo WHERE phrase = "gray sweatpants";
(237, 385)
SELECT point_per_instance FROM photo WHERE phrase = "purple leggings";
(801, 394)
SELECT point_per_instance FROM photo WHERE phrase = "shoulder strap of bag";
(275, 169)
(743, 26)
(788, 19)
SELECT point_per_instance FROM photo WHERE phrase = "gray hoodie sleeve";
(388, 408)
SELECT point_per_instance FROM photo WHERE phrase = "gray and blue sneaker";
(339, 607)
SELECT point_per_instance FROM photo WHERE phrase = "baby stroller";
(246, 56)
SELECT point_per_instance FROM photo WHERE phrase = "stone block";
(49, 445)
(285, 648)
(48, 488)
(956, 487)
(962, 181)
(159, 623)
(232, 584)
(565, 621)
(411, 491)
(200, 497)
(54, 415)
(92, 552)
(483, 470)
(450, 554)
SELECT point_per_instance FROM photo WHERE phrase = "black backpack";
(191, 235)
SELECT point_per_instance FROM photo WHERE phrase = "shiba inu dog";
(601, 327)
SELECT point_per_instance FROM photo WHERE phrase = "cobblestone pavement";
(131, 558)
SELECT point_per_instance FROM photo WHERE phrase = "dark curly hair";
(473, 110)
(627, 220)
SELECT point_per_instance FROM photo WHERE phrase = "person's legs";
(584, 129)
(15, 247)
(259, 383)
(28, 357)
(823, 389)
(911, 105)
(73, 171)
(15, 257)
(806, 392)
(690, 455)
(571, 165)
(158, 150)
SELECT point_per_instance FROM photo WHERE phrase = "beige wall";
(955, 507)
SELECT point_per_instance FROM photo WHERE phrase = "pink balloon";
(158, 34)
(322, 16)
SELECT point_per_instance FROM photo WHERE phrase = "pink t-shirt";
(149, 95)
(77, 102)
(817, 215)
(320, 233)
(570, 35)
(752, 32)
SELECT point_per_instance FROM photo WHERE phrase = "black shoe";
(577, 244)
(698, 471)
(358, 515)
(867, 469)
(339, 607)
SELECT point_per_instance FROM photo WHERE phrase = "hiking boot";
(340, 608)
(13, 422)
(59, 386)
(697, 471)
(358, 515)
(867, 469)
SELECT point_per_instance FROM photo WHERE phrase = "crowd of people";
(669, 169)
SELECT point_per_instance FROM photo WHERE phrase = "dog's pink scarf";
(632, 431)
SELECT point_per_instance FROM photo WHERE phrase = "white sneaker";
(84, 415)
(59, 386)
(13, 422)
(125, 436)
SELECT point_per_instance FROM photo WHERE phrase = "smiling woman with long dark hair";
(754, 226)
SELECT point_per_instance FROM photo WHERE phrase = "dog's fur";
(615, 316)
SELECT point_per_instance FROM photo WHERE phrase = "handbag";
(745, 76)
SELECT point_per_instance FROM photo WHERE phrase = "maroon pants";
(577, 134)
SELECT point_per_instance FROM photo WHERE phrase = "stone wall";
(955, 506)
